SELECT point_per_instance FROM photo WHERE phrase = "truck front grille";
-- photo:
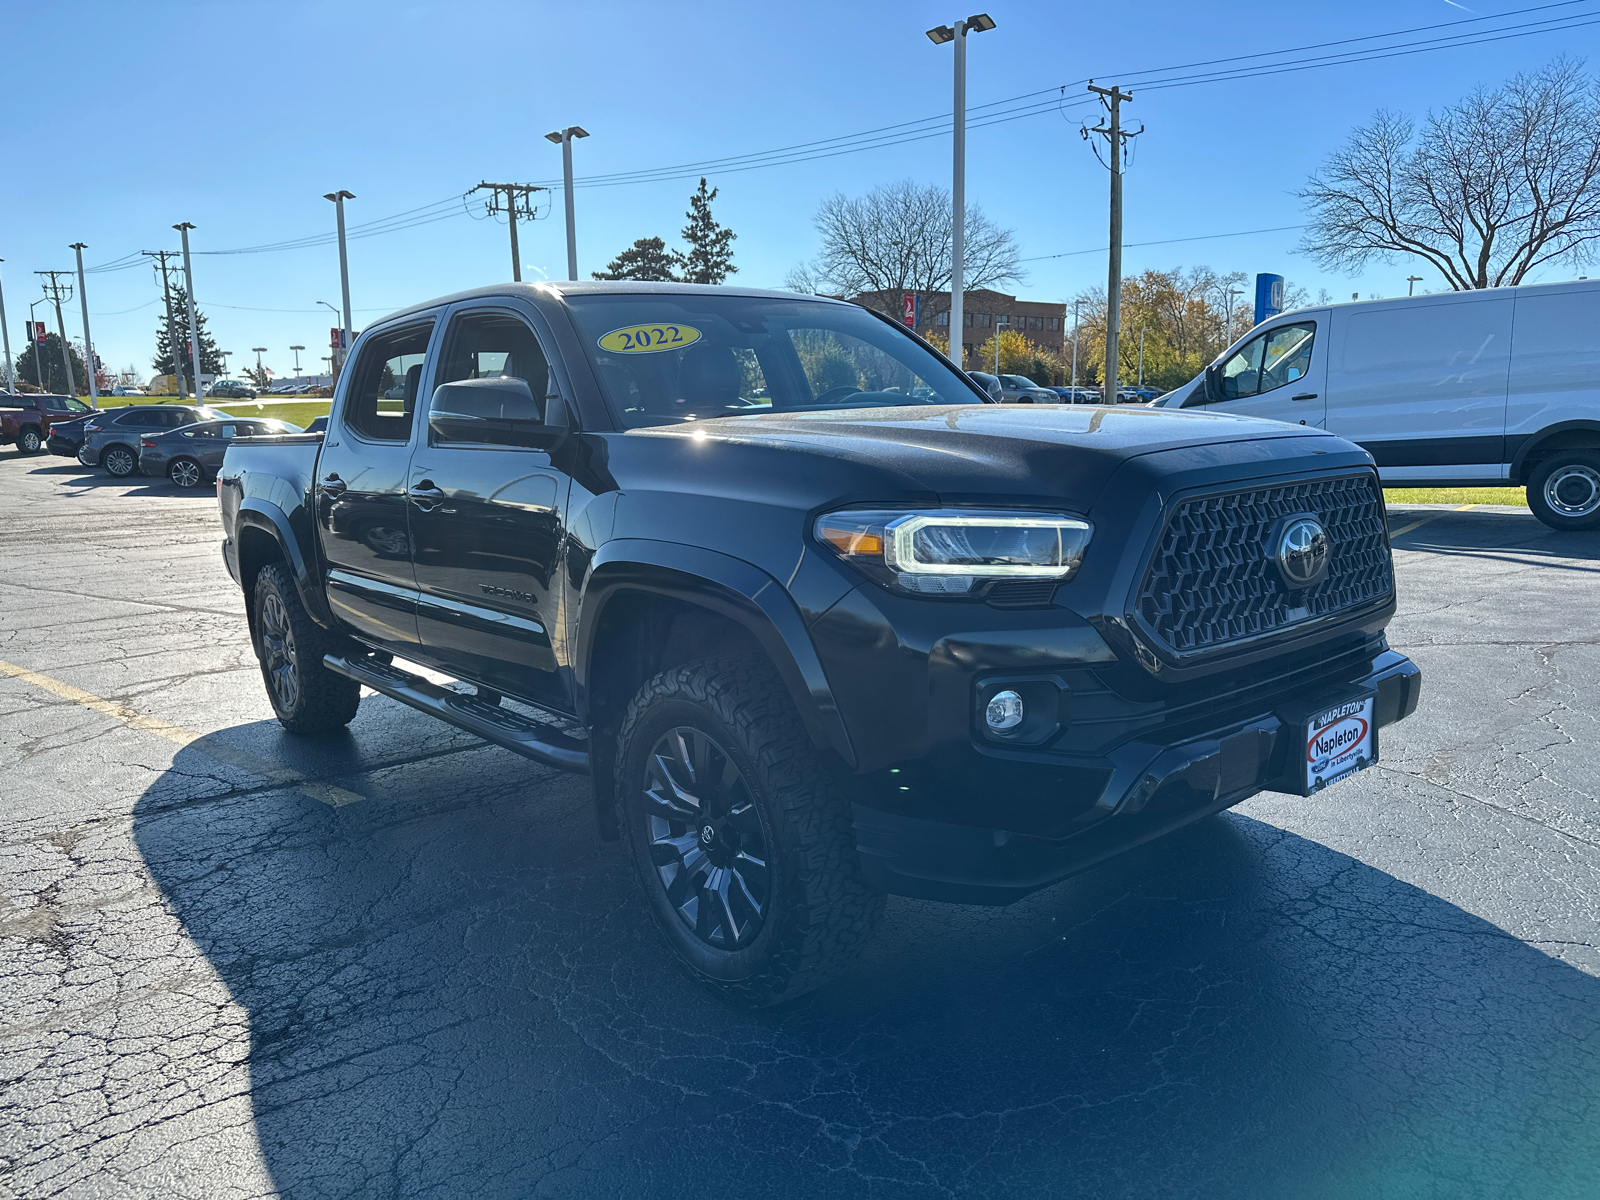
(1212, 580)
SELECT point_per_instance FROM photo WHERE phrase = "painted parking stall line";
(212, 747)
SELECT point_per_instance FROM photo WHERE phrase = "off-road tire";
(30, 440)
(322, 700)
(1580, 468)
(186, 473)
(119, 461)
(820, 907)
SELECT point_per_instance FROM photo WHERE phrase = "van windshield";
(664, 358)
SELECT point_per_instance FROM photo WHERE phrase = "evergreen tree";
(646, 259)
(177, 336)
(55, 373)
(710, 255)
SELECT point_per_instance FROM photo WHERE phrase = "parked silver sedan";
(192, 455)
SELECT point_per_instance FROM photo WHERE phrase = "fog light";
(1004, 711)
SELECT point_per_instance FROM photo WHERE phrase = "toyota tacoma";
(820, 621)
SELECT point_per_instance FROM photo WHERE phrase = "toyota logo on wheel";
(1300, 551)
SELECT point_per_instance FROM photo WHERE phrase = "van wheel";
(1564, 491)
(307, 697)
(741, 842)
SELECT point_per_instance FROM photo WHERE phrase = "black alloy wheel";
(119, 461)
(708, 843)
(29, 442)
(186, 473)
(305, 694)
(280, 658)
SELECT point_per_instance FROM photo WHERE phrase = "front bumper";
(1146, 789)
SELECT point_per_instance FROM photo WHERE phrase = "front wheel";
(1564, 491)
(307, 697)
(741, 842)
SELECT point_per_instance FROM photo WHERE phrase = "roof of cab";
(560, 289)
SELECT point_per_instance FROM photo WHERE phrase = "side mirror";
(498, 411)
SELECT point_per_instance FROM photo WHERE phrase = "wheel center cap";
(708, 834)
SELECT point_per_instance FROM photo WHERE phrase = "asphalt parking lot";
(398, 962)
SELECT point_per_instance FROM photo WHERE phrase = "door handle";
(426, 491)
(1304, 396)
(333, 485)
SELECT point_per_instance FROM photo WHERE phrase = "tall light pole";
(1141, 357)
(297, 350)
(260, 374)
(183, 228)
(88, 346)
(224, 355)
(1227, 330)
(338, 199)
(939, 35)
(564, 138)
(1075, 304)
(1411, 284)
(1001, 321)
(5, 333)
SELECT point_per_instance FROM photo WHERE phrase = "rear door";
(1279, 374)
(487, 522)
(360, 489)
(1422, 386)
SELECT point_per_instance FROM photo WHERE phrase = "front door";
(1279, 374)
(361, 490)
(487, 526)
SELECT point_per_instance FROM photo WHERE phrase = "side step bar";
(491, 722)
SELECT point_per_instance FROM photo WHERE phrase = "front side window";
(382, 399)
(664, 358)
(1270, 360)
(496, 345)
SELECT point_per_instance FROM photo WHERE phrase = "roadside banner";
(39, 334)
(913, 310)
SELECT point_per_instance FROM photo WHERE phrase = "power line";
(1204, 237)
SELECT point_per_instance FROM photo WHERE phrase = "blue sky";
(239, 116)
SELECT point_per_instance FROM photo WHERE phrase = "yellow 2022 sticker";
(649, 339)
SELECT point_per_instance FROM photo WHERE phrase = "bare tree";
(1504, 181)
(897, 239)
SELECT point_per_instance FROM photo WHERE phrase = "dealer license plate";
(1338, 740)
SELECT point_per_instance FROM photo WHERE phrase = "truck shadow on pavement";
(452, 989)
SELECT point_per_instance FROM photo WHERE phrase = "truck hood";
(973, 453)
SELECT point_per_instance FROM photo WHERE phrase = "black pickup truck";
(819, 619)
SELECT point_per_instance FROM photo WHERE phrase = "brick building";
(1045, 325)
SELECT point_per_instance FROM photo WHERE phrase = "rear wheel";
(186, 473)
(29, 440)
(307, 697)
(119, 461)
(741, 842)
(1564, 490)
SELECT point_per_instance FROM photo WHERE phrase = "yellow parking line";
(1394, 533)
(212, 747)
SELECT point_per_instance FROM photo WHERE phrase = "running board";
(491, 722)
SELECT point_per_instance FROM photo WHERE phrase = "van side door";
(1421, 386)
(1278, 374)
(488, 524)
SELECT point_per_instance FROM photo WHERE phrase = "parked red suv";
(25, 420)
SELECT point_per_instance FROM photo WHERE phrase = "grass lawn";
(296, 412)
(1495, 495)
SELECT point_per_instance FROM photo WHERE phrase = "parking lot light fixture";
(5, 333)
(88, 346)
(563, 138)
(939, 35)
(338, 199)
(259, 350)
(297, 350)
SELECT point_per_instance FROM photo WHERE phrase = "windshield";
(664, 358)
(1017, 381)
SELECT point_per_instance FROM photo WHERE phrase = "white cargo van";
(1465, 389)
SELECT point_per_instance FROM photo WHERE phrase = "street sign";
(1269, 296)
(913, 310)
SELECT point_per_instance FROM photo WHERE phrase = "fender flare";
(256, 513)
(725, 585)
(1530, 442)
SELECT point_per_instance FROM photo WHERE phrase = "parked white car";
(1465, 389)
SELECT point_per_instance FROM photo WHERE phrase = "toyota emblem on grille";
(1301, 552)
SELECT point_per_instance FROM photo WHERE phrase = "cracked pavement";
(217, 985)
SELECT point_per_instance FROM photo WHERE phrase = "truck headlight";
(955, 552)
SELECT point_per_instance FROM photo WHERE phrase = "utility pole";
(518, 201)
(5, 333)
(183, 228)
(939, 35)
(338, 199)
(88, 346)
(1411, 284)
(564, 138)
(166, 295)
(54, 290)
(1141, 357)
(1115, 136)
